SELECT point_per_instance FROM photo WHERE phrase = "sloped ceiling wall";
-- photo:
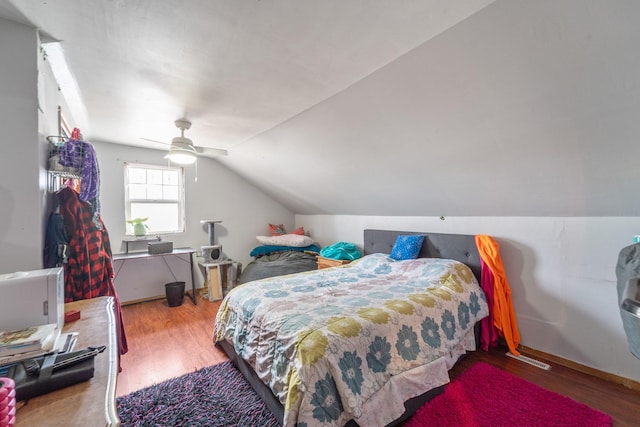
(523, 109)
(234, 68)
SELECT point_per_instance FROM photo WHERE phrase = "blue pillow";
(407, 247)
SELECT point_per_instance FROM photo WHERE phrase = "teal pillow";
(407, 247)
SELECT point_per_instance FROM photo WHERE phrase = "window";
(156, 192)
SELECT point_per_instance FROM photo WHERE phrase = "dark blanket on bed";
(278, 264)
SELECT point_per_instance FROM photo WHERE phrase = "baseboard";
(627, 382)
(137, 301)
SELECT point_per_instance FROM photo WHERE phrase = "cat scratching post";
(211, 224)
(220, 273)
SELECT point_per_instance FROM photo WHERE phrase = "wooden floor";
(166, 342)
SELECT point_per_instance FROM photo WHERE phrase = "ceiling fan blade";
(211, 151)
(153, 140)
(183, 143)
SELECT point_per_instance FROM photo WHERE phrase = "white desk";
(141, 276)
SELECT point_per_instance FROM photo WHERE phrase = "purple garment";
(72, 153)
(81, 155)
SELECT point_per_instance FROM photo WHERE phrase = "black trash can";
(175, 293)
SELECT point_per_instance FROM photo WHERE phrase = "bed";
(363, 344)
(274, 260)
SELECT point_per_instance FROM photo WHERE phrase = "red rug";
(487, 396)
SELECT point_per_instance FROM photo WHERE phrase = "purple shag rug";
(485, 396)
(214, 396)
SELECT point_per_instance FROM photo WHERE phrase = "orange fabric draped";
(504, 316)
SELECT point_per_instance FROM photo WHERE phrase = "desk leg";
(193, 282)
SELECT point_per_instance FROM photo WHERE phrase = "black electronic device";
(50, 372)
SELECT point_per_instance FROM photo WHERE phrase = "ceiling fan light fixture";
(181, 153)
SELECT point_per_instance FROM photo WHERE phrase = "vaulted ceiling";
(234, 68)
(424, 107)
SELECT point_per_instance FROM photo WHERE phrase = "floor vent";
(530, 361)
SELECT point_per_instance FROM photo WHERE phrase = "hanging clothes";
(504, 316)
(56, 243)
(81, 155)
(488, 331)
(88, 272)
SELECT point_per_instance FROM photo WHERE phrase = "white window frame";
(180, 202)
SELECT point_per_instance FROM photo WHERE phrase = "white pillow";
(295, 240)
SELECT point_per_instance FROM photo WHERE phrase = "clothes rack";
(71, 167)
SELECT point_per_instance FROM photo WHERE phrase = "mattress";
(354, 342)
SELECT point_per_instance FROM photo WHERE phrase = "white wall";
(526, 108)
(21, 176)
(29, 100)
(561, 271)
(219, 193)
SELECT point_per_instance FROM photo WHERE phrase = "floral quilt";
(326, 341)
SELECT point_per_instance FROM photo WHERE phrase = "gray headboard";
(461, 247)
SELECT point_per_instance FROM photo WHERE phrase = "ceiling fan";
(182, 151)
